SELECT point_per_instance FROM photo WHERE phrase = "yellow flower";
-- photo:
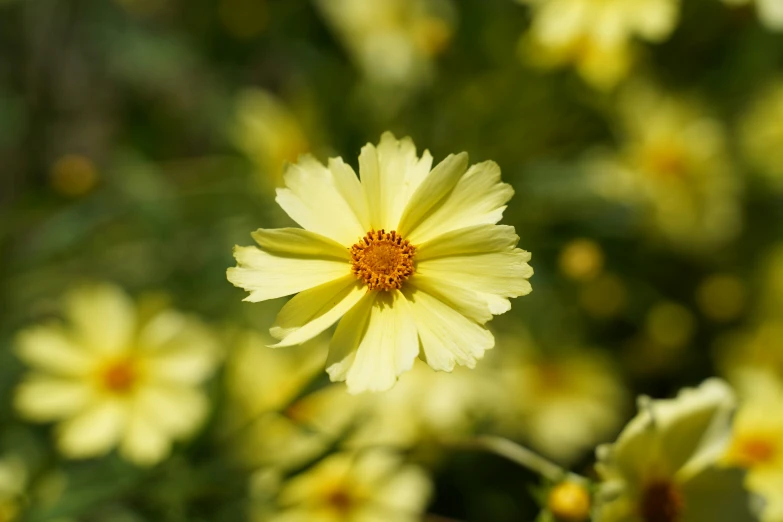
(663, 466)
(426, 406)
(762, 133)
(358, 487)
(595, 35)
(267, 419)
(114, 380)
(757, 437)
(409, 260)
(770, 12)
(393, 42)
(562, 404)
(672, 165)
(268, 133)
(13, 480)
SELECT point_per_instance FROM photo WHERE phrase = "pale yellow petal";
(406, 493)
(347, 182)
(469, 303)
(42, 398)
(476, 239)
(175, 410)
(432, 190)
(268, 276)
(103, 317)
(311, 312)
(478, 198)
(347, 337)
(447, 337)
(48, 348)
(313, 200)
(298, 242)
(717, 495)
(390, 174)
(188, 364)
(144, 443)
(385, 346)
(94, 431)
(495, 276)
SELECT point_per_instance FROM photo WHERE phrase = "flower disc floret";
(383, 260)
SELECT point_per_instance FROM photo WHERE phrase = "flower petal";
(144, 442)
(311, 312)
(177, 348)
(94, 431)
(48, 348)
(314, 200)
(432, 190)
(391, 173)
(42, 398)
(174, 409)
(347, 182)
(472, 305)
(477, 239)
(374, 345)
(717, 494)
(268, 276)
(103, 316)
(478, 198)
(298, 242)
(447, 337)
(495, 276)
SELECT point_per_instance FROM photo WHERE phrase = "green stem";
(524, 457)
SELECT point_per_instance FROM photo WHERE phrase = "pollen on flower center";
(661, 502)
(383, 260)
(119, 376)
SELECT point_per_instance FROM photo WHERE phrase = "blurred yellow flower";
(563, 404)
(595, 36)
(770, 11)
(268, 132)
(604, 297)
(13, 481)
(581, 259)
(268, 420)
(758, 346)
(669, 324)
(409, 260)
(393, 42)
(368, 486)
(672, 165)
(663, 466)
(721, 297)
(73, 175)
(112, 379)
(757, 438)
(762, 132)
(426, 406)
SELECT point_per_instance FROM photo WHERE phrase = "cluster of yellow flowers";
(409, 261)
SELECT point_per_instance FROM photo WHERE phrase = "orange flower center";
(753, 451)
(341, 501)
(383, 260)
(119, 376)
(661, 501)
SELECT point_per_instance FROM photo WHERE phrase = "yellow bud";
(569, 502)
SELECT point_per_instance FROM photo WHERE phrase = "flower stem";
(524, 457)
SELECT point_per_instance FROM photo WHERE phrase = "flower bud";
(569, 502)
